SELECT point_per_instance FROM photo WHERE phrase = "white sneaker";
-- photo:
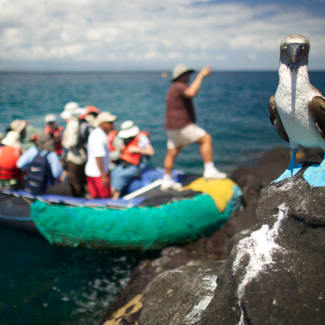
(169, 184)
(214, 174)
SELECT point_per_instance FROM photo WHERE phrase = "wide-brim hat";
(180, 69)
(104, 117)
(18, 125)
(44, 141)
(128, 130)
(50, 118)
(11, 139)
(72, 109)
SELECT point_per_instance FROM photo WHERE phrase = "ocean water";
(42, 284)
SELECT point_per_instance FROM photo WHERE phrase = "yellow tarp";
(221, 190)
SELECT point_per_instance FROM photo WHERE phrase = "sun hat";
(104, 117)
(180, 69)
(72, 109)
(18, 125)
(11, 139)
(49, 118)
(90, 110)
(44, 141)
(128, 130)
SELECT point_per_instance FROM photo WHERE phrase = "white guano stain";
(209, 284)
(259, 247)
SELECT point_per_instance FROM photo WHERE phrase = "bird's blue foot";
(289, 172)
(292, 169)
(315, 175)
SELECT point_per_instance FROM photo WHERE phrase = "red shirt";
(179, 109)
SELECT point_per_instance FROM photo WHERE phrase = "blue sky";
(155, 35)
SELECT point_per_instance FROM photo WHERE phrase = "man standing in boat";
(180, 124)
(97, 166)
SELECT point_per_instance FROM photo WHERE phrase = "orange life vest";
(131, 157)
(110, 137)
(57, 135)
(8, 159)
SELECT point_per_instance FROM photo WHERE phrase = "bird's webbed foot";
(292, 169)
(315, 174)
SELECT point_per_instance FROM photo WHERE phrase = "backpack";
(39, 174)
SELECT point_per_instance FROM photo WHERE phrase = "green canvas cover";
(132, 228)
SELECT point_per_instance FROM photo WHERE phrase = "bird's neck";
(293, 78)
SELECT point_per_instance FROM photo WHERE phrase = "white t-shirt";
(97, 147)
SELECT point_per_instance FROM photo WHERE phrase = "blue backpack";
(38, 174)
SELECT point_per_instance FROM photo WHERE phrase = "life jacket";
(110, 137)
(39, 174)
(8, 159)
(131, 157)
(57, 135)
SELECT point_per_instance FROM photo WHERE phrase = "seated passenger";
(115, 145)
(55, 131)
(41, 163)
(134, 156)
(10, 151)
(97, 166)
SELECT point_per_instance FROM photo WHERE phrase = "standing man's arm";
(195, 86)
(103, 175)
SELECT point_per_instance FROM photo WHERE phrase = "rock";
(179, 296)
(275, 272)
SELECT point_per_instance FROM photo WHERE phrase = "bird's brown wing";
(316, 108)
(276, 121)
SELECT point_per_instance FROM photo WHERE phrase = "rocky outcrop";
(273, 275)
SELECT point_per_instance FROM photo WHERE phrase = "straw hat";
(44, 141)
(50, 118)
(18, 125)
(180, 69)
(11, 139)
(72, 109)
(128, 130)
(104, 117)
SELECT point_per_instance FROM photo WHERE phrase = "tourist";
(10, 151)
(55, 131)
(115, 145)
(97, 166)
(180, 124)
(41, 164)
(19, 126)
(133, 158)
(73, 143)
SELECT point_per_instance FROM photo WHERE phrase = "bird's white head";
(294, 50)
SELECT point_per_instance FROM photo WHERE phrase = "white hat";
(180, 69)
(104, 117)
(72, 109)
(128, 130)
(11, 139)
(18, 125)
(50, 118)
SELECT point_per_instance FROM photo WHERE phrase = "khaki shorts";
(181, 137)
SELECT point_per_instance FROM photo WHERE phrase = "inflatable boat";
(146, 218)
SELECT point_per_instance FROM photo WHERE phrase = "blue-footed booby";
(297, 110)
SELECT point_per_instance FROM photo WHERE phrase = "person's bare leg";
(116, 195)
(168, 182)
(170, 159)
(206, 148)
